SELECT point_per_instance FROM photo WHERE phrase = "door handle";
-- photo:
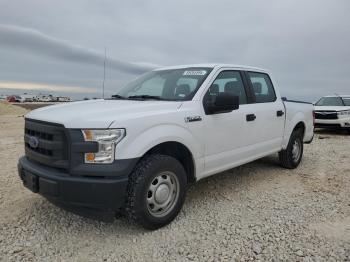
(250, 117)
(279, 113)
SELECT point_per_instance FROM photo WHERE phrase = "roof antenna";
(104, 75)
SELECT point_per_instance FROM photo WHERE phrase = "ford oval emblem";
(33, 142)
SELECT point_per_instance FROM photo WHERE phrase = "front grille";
(326, 115)
(46, 143)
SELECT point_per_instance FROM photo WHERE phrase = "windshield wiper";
(118, 97)
(145, 97)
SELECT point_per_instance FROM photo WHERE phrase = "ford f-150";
(139, 150)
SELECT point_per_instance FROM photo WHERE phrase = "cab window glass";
(228, 81)
(262, 87)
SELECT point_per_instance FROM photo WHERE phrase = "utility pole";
(104, 75)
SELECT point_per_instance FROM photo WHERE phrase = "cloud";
(46, 87)
(304, 44)
(33, 41)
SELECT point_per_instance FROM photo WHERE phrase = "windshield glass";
(173, 84)
(346, 101)
(330, 101)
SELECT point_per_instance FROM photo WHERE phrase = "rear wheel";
(156, 191)
(292, 155)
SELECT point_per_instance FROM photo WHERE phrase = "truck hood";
(99, 113)
(331, 108)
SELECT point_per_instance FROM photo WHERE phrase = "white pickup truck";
(138, 151)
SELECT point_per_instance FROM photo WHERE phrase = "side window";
(228, 81)
(262, 87)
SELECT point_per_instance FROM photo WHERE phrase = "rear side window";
(228, 81)
(262, 87)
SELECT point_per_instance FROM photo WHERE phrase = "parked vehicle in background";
(3, 97)
(61, 99)
(14, 99)
(333, 112)
(138, 151)
(45, 98)
(28, 98)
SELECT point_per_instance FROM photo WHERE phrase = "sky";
(57, 47)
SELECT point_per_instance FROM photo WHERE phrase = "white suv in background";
(333, 112)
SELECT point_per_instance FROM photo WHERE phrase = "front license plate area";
(31, 181)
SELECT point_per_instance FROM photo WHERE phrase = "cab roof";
(216, 66)
(347, 96)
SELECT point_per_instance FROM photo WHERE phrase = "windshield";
(346, 101)
(173, 84)
(330, 101)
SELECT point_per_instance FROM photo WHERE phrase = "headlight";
(343, 113)
(107, 139)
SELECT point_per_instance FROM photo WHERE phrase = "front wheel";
(291, 156)
(156, 191)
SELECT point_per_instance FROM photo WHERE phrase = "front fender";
(138, 144)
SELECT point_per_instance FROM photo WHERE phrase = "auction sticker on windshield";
(195, 73)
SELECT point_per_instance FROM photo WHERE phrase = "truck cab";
(137, 151)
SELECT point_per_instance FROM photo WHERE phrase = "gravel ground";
(255, 212)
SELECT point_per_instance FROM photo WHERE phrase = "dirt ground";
(255, 212)
(33, 105)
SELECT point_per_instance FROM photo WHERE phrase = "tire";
(156, 191)
(290, 157)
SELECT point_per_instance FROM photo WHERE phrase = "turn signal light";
(89, 157)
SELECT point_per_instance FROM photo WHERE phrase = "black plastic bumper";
(102, 193)
(331, 126)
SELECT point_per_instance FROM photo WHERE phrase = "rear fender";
(290, 125)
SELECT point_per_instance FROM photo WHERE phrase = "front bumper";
(101, 193)
(333, 123)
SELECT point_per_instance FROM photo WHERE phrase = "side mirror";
(224, 102)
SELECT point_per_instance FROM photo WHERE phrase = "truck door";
(269, 114)
(227, 135)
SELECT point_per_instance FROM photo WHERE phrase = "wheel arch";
(297, 122)
(300, 126)
(180, 152)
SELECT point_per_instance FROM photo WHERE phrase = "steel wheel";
(296, 150)
(291, 156)
(162, 194)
